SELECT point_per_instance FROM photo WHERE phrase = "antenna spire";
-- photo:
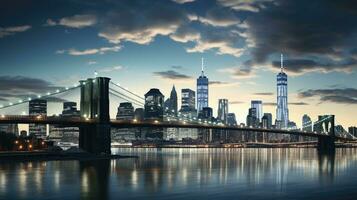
(202, 66)
(281, 63)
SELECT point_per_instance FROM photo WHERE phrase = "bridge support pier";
(95, 139)
(326, 144)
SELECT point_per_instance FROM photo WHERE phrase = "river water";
(188, 174)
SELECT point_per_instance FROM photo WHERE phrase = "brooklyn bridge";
(95, 123)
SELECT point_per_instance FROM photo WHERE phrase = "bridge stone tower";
(94, 103)
(326, 124)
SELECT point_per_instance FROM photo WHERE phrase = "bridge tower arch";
(326, 124)
(94, 106)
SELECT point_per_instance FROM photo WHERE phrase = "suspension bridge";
(95, 123)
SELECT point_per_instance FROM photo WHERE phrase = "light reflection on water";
(188, 174)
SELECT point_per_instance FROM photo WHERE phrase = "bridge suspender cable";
(127, 90)
(121, 97)
(124, 97)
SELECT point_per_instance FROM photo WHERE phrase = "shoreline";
(54, 156)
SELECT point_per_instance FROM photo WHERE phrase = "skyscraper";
(38, 107)
(202, 90)
(223, 110)
(188, 101)
(267, 120)
(62, 133)
(125, 111)
(252, 120)
(154, 102)
(282, 112)
(173, 101)
(258, 105)
(231, 119)
(70, 109)
(307, 123)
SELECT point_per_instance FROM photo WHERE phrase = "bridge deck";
(76, 121)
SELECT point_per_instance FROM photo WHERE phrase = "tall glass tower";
(202, 90)
(282, 112)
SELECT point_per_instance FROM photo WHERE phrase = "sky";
(141, 44)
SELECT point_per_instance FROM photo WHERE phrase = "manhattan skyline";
(56, 44)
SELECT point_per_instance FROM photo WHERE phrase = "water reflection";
(187, 173)
(94, 178)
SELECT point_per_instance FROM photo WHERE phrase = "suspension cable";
(127, 90)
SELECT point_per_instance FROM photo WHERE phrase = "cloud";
(335, 95)
(11, 30)
(100, 51)
(235, 102)
(263, 93)
(171, 74)
(321, 29)
(92, 62)
(239, 73)
(269, 104)
(110, 69)
(183, 1)
(218, 17)
(302, 66)
(76, 21)
(177, 67)
(222, 84)
(222, 41)
(22, 86)
(290, 103)
(298, 103)
(244, 5)
(142, 21)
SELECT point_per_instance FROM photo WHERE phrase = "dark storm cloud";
(341, 96)
(299, 66)
(22, 87)
(171, 74)
(303, 27)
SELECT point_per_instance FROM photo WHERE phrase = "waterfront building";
(10, 128)
(282, 112)
(258, 105)
(173, 101)
(307, 124)
(231, 119)
(154, 111)
(70, 109)
(252, 120)
(188, 101)
(139, 114)
(154, 103)
(125, 111)
(205, 116)
(61, 133)
(202, 90)
(267, 120)
(222, 110)
(352, 130)
(38, 107)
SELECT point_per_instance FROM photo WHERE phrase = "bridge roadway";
(76, 121)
